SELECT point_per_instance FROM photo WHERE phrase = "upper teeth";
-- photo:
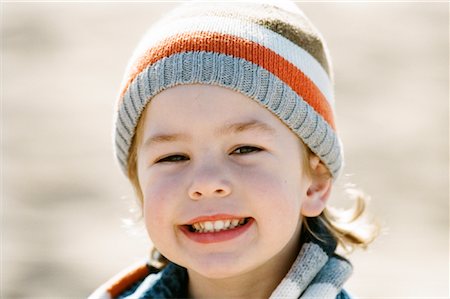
(218, 225)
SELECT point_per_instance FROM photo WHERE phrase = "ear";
(319, 189)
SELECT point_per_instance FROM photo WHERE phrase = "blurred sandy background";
(64, 198)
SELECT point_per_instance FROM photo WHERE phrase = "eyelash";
(253, 149)
(170, 159)
(180, 158)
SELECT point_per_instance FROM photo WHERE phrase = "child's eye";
(247, 149)
(173, 158)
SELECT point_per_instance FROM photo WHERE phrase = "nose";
(209, 182)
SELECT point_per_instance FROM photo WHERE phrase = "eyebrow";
(228, 129)
(252, 125)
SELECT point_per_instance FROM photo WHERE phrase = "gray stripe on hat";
(309, 127)
(319, 134)
(331, 142)
(134, 98)
(144, 88)
(323, 130)
(239, 75)
(119, 146)
(289, 105)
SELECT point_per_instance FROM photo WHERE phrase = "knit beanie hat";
(267, 50)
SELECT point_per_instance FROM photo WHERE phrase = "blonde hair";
(351, 228)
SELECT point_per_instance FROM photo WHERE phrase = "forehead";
(205, 106)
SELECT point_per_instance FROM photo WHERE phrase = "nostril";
(212, 192)
(196, 195)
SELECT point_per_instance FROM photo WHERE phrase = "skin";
(188, 167)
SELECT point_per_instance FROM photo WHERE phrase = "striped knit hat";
(269, 52)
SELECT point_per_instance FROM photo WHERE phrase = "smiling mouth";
(217, 226)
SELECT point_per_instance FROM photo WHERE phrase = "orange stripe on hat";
(242, 48)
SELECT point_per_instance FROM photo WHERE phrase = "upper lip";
(214, 217)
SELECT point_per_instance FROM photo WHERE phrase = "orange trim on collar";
(126, 281)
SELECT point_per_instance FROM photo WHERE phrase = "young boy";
(225, 128)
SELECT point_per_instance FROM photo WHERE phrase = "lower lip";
(215, 237)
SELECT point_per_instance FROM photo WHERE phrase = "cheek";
(159, 205)
(275, 203)
(273, 192)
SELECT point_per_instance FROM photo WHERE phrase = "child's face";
(208, 153)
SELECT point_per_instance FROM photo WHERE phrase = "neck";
(257, 283)
(235, 287)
